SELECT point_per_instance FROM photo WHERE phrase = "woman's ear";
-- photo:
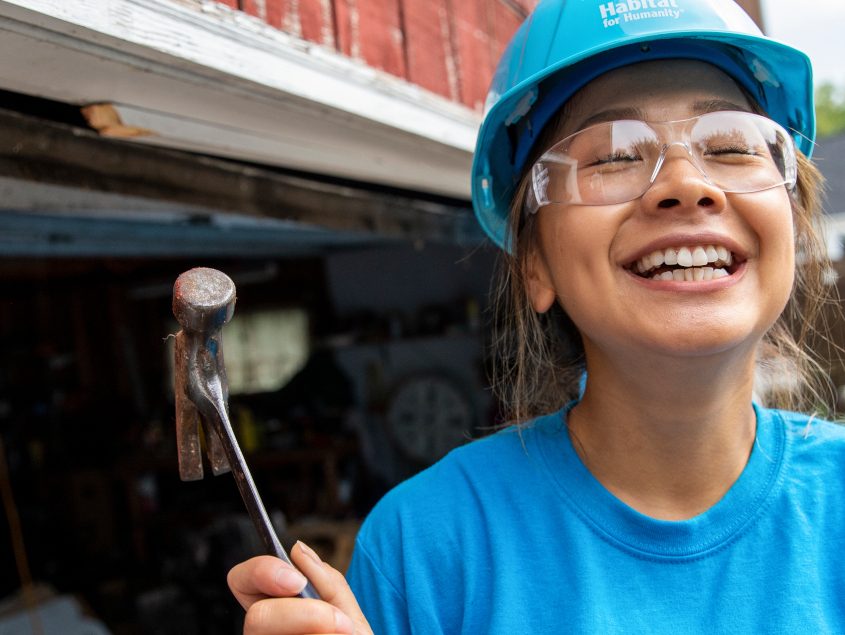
(539, 282)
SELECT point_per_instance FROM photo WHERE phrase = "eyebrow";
(715, 105)
(611, 114)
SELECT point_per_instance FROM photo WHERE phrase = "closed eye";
(616, 157)
(732, 149)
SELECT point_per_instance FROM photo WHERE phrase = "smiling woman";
(757, 183)
(642, 166)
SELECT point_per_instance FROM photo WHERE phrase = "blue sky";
(817, 27)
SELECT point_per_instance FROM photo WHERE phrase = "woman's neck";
(667, 442)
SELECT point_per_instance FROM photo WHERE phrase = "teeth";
(670, 257)
(656, 259)
(697, 256)
(692, 274)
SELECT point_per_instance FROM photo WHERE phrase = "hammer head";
(203, 301)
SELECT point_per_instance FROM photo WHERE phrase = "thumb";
(330, 584)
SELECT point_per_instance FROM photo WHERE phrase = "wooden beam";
(40, 151)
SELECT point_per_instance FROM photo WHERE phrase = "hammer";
(203, 301)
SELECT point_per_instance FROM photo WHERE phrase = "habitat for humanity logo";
(612, 13)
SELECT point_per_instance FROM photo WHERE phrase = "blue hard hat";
(564, 44)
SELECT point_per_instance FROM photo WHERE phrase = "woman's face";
(586, 257)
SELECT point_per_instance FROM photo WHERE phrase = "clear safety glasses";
(618, 161)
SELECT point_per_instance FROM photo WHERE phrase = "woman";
(638, 168)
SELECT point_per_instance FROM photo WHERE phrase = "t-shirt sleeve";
(383, 605)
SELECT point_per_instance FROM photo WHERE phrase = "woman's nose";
(680, 184)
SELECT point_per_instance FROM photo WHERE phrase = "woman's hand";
(265, 587)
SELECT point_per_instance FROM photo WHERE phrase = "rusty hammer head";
(203, 301)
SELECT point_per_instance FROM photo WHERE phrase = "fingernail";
(342, 623)
(308, 551)
(290, 579)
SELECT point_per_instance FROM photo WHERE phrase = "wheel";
(427, 416)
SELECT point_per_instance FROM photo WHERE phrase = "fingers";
(329, 583)
(264, 586)
(290, 616)
(261, 577)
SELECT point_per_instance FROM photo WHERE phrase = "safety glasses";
(618, 161)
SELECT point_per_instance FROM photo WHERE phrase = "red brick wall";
(447, 46)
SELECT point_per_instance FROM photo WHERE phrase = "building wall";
(449, 47)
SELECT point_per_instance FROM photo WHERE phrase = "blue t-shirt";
(512, 534)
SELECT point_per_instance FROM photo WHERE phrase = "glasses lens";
(615, 162)
(742, 152)
(598, 165)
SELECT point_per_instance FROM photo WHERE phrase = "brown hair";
(539, 358)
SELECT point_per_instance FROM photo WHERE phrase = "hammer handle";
(208, 394)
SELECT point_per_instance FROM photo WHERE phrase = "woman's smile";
(699, 258)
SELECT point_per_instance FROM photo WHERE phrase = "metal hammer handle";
(203, 301)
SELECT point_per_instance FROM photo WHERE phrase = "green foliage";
(830, 110)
